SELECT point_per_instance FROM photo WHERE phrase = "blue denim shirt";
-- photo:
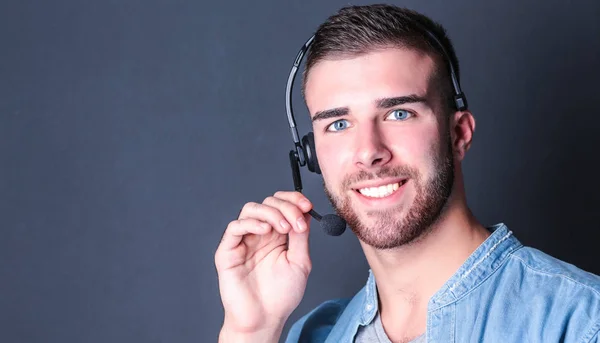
(504, 292)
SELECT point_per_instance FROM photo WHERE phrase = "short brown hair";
(356, 30)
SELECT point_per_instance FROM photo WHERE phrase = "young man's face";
(382, 142)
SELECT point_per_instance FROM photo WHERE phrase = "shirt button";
(369, 307)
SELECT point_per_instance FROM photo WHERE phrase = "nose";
(371, 148)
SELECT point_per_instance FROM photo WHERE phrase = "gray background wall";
(132, 132)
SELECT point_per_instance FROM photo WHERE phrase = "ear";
(462, 129)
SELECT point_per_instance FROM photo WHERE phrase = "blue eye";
(338, 125)
(400, 115)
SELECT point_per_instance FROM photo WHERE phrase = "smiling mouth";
(381, 191)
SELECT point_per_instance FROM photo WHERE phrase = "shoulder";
(540, 265)
(557, 293)
(316, 325)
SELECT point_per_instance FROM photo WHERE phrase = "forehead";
(360, 79)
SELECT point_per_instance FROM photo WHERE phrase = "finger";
(296, 198)
(237, 229)
(267, 214)
(298, 249)
(290, 211)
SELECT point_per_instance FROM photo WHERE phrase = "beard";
(389, 231)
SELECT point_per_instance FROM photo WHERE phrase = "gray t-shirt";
(374, 333)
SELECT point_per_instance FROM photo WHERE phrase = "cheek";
(431, 152)
(333, 160)
(325, 156)
(415, 148)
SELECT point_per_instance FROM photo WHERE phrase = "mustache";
(404, 172)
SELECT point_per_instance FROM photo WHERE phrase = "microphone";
(331, 224)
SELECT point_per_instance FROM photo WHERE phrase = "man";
(390, 142)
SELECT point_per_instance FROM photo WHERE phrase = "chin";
(384, 237)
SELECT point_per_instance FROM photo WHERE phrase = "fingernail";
(305, 203)
(301, 224)
(284, 224)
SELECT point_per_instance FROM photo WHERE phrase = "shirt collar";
(370, 304)
(480, 264)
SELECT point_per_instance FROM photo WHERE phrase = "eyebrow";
(382, 103)
(400, 100)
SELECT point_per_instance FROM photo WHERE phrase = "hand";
(263, 264)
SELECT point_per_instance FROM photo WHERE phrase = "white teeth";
(381, 191)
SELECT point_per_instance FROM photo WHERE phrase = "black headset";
(304, 153)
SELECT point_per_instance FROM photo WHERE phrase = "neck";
(408, 276)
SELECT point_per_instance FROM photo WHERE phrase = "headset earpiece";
(310, 155)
